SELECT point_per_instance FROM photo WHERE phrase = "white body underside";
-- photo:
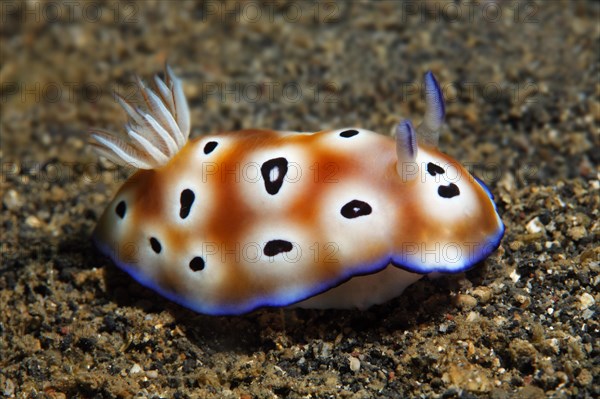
(363, 292)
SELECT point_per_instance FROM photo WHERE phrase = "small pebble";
(514, 276)
(577, 232)
(135, 369)
(466, 302)
(325, 351)
(473, 317)
(587, 314)
(586, 300)
(585, 377)
(12, 200)
(152, 373)
(354, 363)
(9, 388)
(534, 226)
(33, 221)
(484, 294)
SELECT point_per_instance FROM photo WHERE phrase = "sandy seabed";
(523, 109)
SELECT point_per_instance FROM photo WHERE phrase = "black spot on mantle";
(349, 133)
(434, 169)
(276, 247)
(210, 147)
(121, 209)
(197, 264)
(356, 208)
(449, 191)
(186, 200)
(279, 164)
(155, 244)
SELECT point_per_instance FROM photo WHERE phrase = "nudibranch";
(344, 218)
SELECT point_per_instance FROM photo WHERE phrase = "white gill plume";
(155, 135)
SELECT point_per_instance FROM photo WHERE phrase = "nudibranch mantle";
(230, 222)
